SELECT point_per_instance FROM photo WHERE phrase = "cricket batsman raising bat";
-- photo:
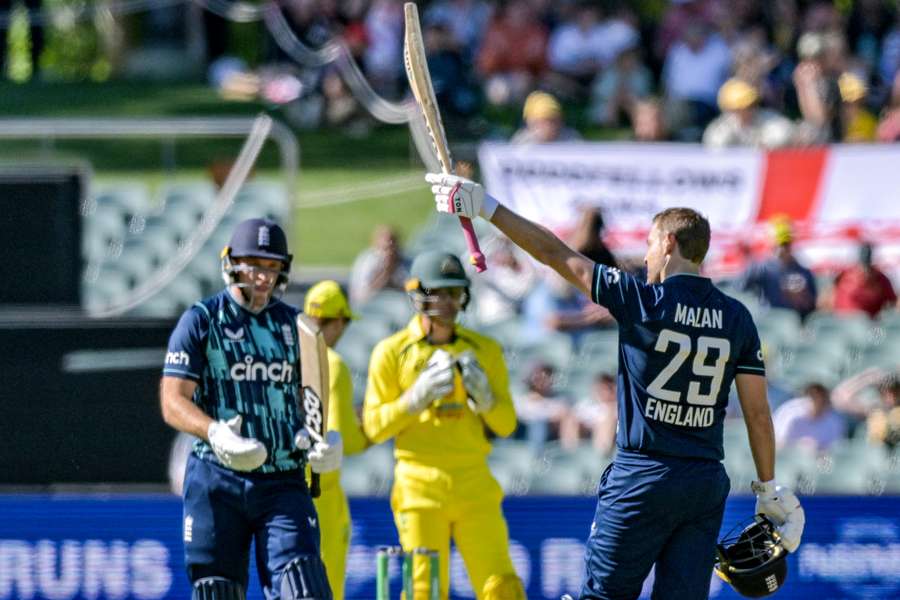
(420, 82)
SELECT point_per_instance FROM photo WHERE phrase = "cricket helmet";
(257, 238)
(752, 558)
(434, 270)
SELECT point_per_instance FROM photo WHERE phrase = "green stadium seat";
(369, 473)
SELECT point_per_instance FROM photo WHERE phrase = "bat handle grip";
(315, 489)
(476, 256)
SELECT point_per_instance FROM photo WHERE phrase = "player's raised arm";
(463, 197)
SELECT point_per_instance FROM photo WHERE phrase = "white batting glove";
(475, 380)
(326, 456)
(435, 381)
(782, 507)
(233, 450)
(460, 196)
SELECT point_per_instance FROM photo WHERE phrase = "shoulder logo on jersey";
(759, 355)
(178, 359)
(612, 275)
(251, 370)
(288, 334)
(234, 336)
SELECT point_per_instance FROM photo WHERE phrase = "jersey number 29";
(715, 371)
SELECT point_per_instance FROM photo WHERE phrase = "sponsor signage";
(130, 546)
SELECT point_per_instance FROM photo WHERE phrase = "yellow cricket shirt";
(341, 416)
(448, 434)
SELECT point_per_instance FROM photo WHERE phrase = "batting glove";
(475, 380)
(233, 450)
(435, 381)
(326, 456)
(460, 196)
(782, 507)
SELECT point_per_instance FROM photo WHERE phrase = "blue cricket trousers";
(225, 510)
(655, 509)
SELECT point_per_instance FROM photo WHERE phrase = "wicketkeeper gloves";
(783, 508)
(481, 397)
(233, 450)
(435, 381)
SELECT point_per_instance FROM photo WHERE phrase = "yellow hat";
(737, 94)
(325, 300)
(541, 105)
(782, 231)
(852, 87)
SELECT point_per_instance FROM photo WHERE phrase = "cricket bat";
(314, 385)
(420, 82)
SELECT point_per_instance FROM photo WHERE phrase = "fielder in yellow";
(326, 303)
(437, 387)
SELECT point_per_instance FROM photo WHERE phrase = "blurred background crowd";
(752, 73)
(741, 73)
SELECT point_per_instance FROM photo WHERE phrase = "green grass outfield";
(345, 186)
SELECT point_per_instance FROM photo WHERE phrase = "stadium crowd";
(751, 73)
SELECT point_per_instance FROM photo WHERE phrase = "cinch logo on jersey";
(250, 370)
(178, 358)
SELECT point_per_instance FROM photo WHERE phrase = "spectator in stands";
(889, 64)
(822, 60)
(513, 55)
(883, 423)
(587, 237)
(617, 88)
(781, 281)
(743, 122)
(678, 17)
(383, 54)
(543, 121)
(556, 305)
(809, 422)
(541, 410)
(869, 390)
(869, 22)
(455, 92)
(468, 20)
(500, 290)
(583, 45)
(594, 418)
(863, 287)
(648, 123)
(695, 69)
(381, 266)
(858, 124)
(889, 126)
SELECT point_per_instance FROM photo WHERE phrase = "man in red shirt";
(863, 287)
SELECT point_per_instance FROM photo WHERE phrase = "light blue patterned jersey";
(244, 364)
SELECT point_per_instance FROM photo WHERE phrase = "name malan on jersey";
(684, 415)
(696, 316)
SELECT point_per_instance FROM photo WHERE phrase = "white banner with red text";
(836, 196)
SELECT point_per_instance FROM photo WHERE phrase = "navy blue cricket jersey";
(681, 343)
(245, 364)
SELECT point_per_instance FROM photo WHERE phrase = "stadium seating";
(127, 237)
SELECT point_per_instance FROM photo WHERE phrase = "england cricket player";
(682, 343)
(326, 303)
(231, 378)
(436, 387)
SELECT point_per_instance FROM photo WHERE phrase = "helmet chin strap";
(244, 297)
